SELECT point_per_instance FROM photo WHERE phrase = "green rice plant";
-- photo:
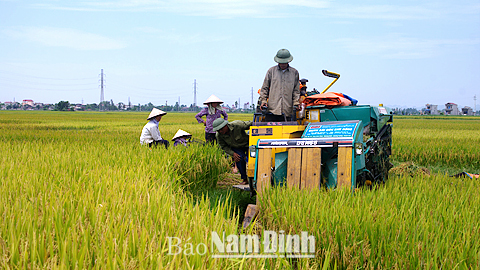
(78, 191)
(450, 142)
(410, 223)
(199, 167)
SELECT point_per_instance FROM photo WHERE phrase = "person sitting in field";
(150, 134)
(181, 138)
(212, 111)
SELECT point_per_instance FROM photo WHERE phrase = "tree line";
(105, 106)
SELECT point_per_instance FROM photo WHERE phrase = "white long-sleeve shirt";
(150, 132)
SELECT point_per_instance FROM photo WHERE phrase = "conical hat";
(180, 133)
(212, 99)
(155, 112)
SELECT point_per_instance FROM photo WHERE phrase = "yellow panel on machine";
(271, 130)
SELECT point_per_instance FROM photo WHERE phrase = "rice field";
(442, 141)
(79, 192)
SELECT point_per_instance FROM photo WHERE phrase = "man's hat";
(155, 112)
(213, 99)
(283, 56)
(218, 124)
(180, 133)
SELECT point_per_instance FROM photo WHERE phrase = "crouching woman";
(150, 133)
(233, 139)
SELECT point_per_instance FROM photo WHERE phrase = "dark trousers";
(160, 142)
(242, 164)
(210, 137)
(269, 117)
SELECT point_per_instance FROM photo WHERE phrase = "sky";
(397, 53)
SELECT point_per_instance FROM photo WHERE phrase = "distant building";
(38, 106)
(451, 109)
(226, 108)
(431, 109)
(79, 107)
(27, 102)
(467, 110)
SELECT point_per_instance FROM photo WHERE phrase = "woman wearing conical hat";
(212, 111)
(150, 134)
(181, 138)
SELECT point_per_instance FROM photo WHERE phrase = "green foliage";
(438, 141)
(62, 106)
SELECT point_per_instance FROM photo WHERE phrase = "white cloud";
(385, 12)
(63, 37)
(275, 8)
(399, 47)
(176, 37)
(217, 8)
(404, 12)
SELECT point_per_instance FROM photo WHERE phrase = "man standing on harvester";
(233, 139)
(280, 91)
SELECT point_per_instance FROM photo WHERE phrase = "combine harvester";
(327, 146)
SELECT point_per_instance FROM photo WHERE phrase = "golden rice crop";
(78, 191)
(411, 223)
(438, 141)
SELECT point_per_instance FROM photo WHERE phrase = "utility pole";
(178, 108)
(253, 106)
(194, 94)
(102, 98)
(475, 104)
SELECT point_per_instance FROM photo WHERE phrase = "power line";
(43, 78)
(47, 89)
(19, 83)
(41, 83)
(171, 92)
